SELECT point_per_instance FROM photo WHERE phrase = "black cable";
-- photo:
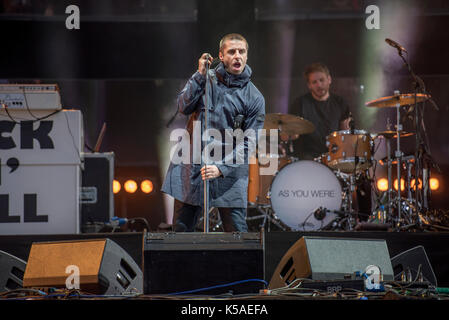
(33, 121)
(9, 115)
(73, 138)
(26, 104)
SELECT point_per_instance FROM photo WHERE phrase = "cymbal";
(401, 99)
(288, 124)
(393, 134)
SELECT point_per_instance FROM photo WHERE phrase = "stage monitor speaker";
(104, 267)
(321, 258)
(413, 259)
(12, 270)
(182, 262)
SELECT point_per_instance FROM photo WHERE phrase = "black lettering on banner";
(27, 134)
(13, 164)
(4, 210)
(6, 142)
(30, 209)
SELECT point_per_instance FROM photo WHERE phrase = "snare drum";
(299, 189)
(349, 152)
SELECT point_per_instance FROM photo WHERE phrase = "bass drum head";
(302, 187)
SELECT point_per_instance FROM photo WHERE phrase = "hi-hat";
(400, 99)
(288, 124)
(393, 134)
(409, 159)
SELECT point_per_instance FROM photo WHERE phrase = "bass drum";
(302, 187)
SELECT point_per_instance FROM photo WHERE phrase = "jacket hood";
(233, 80)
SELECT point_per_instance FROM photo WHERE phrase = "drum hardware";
(268, 216)
(415, 113)
(397, 101)
(342, 220)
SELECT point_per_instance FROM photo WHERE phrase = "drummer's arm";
(344, 125)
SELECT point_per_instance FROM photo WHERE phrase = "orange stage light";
(146, 186)
(130, 186)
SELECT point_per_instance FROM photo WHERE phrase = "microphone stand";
(205, 158)
(418, 84)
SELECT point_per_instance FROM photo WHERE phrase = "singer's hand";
(205, 57)
(210, 172)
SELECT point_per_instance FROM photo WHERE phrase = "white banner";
(40, 172)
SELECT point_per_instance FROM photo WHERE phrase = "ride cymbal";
(400, 99)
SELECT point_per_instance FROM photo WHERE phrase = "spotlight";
(412, 184)
(146, 186)
(130, 186)
(382, 184)
(116, 186)
(395, 184)
(434, 183)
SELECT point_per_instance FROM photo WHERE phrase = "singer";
(327, 111)
(233, 101)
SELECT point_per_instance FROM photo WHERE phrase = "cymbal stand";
(348, 184)
(351, 191)
(408, 165)
(398, 155)
(389, 175)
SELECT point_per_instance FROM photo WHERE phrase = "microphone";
(396, 45)
(320, 213)
(214, 61)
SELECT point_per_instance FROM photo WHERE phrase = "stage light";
(130, 186)
(434, 184)
(146, 186)
(412, 184)
(116, 186)
(395, 184)
(382, 184)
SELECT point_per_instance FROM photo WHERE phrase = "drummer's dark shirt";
(325, 115)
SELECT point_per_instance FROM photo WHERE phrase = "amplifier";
(187, 262)
(30, 96)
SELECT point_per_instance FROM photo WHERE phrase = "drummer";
(326, 110)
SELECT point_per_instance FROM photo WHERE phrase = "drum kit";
(306, 195)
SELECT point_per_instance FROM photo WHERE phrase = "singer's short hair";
(315, 67)
(232, 36)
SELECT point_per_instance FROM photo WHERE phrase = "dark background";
(127, 62)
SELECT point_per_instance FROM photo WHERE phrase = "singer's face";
(318, 84)
(234, 55)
